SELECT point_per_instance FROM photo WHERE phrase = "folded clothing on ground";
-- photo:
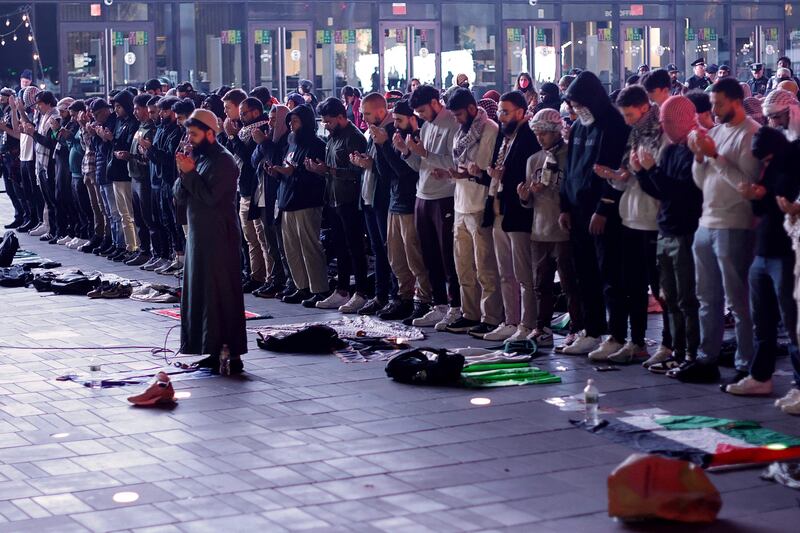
(156, 293)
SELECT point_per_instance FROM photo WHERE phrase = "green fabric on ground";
(746, 430)
(480, 367)
(526, 347)
(520, 374)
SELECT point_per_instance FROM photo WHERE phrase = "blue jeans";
(722, 260)
(110, 202)
(771, 299)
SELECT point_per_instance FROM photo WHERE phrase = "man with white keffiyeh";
(476, 265)
(783, 112)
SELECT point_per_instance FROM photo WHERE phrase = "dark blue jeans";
(377, 220)
(771, 300)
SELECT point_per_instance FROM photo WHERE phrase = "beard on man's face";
(201, 147)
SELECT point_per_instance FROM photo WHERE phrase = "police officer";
(699, 79)
(675, 87)
(757, 83)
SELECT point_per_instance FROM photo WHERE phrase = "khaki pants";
(477, 269)
(304, 250)
(100, 225)
(405, 258)
(509, 286)
(124, 199)
(260, 261)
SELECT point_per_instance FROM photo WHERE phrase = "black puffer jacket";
(303, 189)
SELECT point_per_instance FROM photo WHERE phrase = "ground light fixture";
(480, 401)
(182, 395)
(125, 497)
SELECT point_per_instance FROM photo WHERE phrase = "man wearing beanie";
(212, 303)
(550, 247)
(125, 129)
(404, 251)
(9, 162)
(25, 81)
(669, 180)
(783, 112)
(102, 134)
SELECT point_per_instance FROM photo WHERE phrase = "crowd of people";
(448, 210)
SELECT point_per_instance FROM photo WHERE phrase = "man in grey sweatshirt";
(723, 245)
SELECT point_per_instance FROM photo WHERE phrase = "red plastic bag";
(650, 486)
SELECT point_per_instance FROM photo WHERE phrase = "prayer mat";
(505, 375)
(175, 313)
(351, 328)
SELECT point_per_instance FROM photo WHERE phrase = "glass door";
(101, 57)
(409, 50)
(546, 59)
(517, 43)
(84, 53)
(646, 43)
(344, 57)
(280, 56)
(757, 42)
(700, 42)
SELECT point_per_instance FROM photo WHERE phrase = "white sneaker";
(606, 348)
(792, 408)
(501, 333)
(628, 354)
(662, 354)
(750, 387)
(522, 333)
(791, 397)
(353, 305)
(433, 317)
(39, 230)
(75, 243)
(334, 301)
(64, 240)
(453, 314)
(582, 345)
(542, 337)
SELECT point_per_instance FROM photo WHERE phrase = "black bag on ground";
(426, 365)
(15, 276)
(75, 284)
(43, 281)
(8, 248)
(314, 339)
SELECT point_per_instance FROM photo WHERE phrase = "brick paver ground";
(311, 443)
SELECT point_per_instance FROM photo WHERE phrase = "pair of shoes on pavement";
(110, 290)
(343, 302)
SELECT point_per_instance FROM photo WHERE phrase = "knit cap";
(678, 118)
(29, 95)
(546, 120)
(64, 103)
(492, 95)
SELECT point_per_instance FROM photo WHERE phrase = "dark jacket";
(138, 168)
(671, 183)
(401, 178)
(695, 82)
(243, 150)
(758, 86)
(103, 152)
(780, 179)
(603, 142)
(302, 189)
(124, 131)
(345, 186)
(8, 144)
(270, 153)
(162, 154)
(515, 217)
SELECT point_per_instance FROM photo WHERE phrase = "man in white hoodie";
(476, 265)
(638, 211)
(723, 245)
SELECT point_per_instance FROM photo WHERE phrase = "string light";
(8, 22)
(30, 37)
(15, 36)
(24, 16)
(2, 42)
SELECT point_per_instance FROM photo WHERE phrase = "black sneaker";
(17, 222)
(311, 303)
(250, 285)
(28, 226)
(109, 250)
(420, 310)
(372, 307)
(91, 245)
(139, 259)
(396, 310)
(270, 290)
(696, 373)
(664, 366)
(120, 256)
(462, 325)
(480, 330)
(47, 237)
(296, 297)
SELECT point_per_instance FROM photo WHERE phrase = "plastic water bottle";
(225, 361)
(591, 400)
(95, 373)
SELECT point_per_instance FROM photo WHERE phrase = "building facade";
(378, 45)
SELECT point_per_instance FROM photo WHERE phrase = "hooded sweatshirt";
(345, 186)
(719, 178)
(437, 138)
(302, 189)
(271, 152)
(601, 142)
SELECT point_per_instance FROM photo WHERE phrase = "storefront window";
(793, 33)
(219, 38)
(590, 44)
(704, 34)
(343, 48)
(469, 41)
(166, 60)
(127, 11)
